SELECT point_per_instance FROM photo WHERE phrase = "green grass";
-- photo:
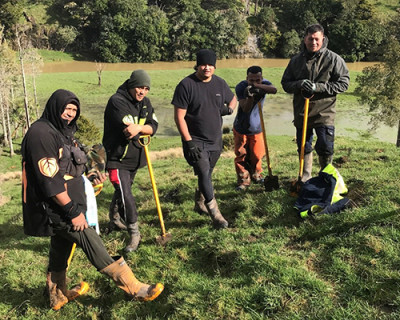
(94, 98)
(269, 264)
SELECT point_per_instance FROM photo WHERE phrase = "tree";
(8, 70)
(379, 88)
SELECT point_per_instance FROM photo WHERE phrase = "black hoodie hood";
(55, 106)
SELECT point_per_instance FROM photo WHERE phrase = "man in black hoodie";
(128, 115)
(54, 202)
(321, 74)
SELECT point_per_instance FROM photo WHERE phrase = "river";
(277, 110)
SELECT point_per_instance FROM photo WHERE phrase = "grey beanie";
(139, 78)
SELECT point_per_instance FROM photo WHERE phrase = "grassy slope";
(268, 264)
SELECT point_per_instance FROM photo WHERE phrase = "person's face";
(139, 92)
(254, 78)
(314, 41)
(69, 113)
(205, 72)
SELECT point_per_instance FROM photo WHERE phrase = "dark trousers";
(122, 181)
(90, 242)
(325, 140)
(204, 167)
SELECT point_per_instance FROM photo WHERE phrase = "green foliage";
(88, 133)
(290, 45)
(379, 86)
(118, 31)
(63, 37)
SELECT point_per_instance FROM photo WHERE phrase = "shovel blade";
(164, 238)
(295, 187)
(271, 183)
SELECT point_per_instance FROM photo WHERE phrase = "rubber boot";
(199, 202)
(56, 287)
(134, 233)
(219, 221)
(307, 168)
(116, 223)
(124, 278)
(324, 161)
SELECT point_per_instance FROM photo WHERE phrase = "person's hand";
(79, 223)
(193, 151)
(132, 130)
(226, 111)
(247, 92)
(308, 86)
(96, 177)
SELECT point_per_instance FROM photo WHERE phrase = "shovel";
(296, 185)
(271, 182)
(164, 237)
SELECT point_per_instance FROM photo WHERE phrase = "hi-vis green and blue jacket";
(322, 194)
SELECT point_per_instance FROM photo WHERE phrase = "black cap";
(206, 56)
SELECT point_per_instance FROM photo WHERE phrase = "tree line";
(170, 30)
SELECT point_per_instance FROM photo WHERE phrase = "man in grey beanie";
(200, 101)
(128, 115)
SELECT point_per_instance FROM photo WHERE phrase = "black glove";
(193, 151)
(226, 111)
(248, 91)
(308, 86)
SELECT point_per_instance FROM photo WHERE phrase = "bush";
(88, 134)
(228, 141)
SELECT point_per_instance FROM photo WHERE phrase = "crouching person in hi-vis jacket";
(54, 203)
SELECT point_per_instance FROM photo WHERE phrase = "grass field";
(269, 264)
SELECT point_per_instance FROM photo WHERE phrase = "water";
(86, 66)
(277, 111)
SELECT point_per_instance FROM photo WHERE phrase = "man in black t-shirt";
(200, 101)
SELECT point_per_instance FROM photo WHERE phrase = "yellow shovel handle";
(265, 138)
(303, 136)
(145, 144)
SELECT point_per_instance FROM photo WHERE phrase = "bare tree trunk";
(3, 121)
(99, 70)
(398, 136)
(21, 60)
(35, 94)
(10, 142)
(255, 7)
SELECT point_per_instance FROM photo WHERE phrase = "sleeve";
(289, 82)
(239, 90)
(181, 96)
(43, 153)
(339, 81)
(118, 112)
(228, 93)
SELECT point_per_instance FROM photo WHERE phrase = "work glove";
(226, 110)
(249, 91)
(193, 151)
(308, 86)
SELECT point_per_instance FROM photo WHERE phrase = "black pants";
(204, 167)
(122, 181)
(90, 242)
(325, 140)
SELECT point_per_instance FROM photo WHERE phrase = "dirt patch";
(166, 154)
(10, 176)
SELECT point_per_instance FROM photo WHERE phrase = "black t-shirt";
(204, 102)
